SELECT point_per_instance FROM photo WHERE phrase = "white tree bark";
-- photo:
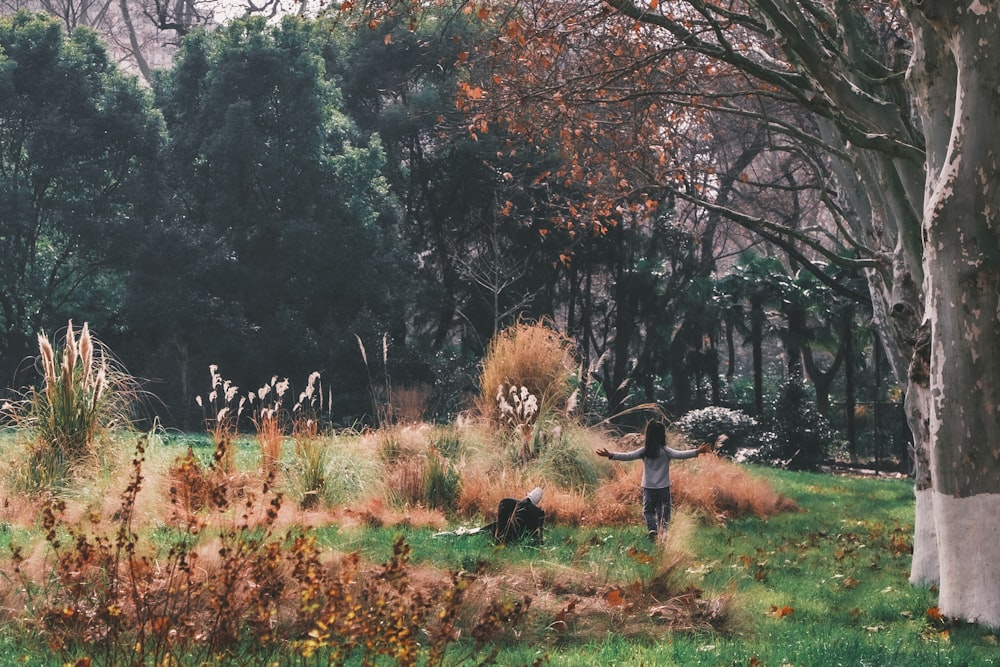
(936, 276)
(961, 221)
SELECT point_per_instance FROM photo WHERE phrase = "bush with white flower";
(708, 424)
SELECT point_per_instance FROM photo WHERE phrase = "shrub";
(442, 483)
(794, 434)
(708, 424)
(84, 396)
(565, 458)
(533, 360)
(448, 441)
(307, 475)
(721, 489)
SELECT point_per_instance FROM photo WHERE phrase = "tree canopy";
(79, 144)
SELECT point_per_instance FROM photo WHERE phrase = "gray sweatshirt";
(655, 472)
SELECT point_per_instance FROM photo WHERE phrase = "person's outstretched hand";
(704, 449)
(603, 451)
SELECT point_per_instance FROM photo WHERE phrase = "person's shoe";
(651, 536)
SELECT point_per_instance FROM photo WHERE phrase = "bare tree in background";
(144, 34)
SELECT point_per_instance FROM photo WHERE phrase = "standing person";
(656, 457)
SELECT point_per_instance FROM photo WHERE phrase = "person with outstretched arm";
(656, 457)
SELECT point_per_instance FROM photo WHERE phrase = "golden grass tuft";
(409, 404)
(534, 356)
(67, 426)
(721, 489)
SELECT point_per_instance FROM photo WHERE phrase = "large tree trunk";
(962, 256)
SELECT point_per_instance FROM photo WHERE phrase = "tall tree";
(912, 195)
(79, 142)
(476, 269)
(262, 160)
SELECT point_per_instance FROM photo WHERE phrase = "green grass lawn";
(823, 586)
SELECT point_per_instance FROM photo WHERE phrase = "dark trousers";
(656, 508)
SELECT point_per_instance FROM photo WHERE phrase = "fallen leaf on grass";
(615, 598)
(781, 612)
(639, 556)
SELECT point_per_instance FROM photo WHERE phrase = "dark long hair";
(656, 439)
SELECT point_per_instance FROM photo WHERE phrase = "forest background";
(281, 195)
(604, 164)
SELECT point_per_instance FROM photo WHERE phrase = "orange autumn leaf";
(934, 614)
(639, 556)
(781, 612)
(615, 598)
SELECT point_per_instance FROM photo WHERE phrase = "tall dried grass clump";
(713, 486)
(104, 593)
(267, 417)
(85, 395)
(530, 356)
(482, 488)
(722, 489)
(420, 466)
(223, 410)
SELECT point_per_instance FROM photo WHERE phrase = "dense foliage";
(291, 189)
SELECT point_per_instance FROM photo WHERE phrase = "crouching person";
(519, 519)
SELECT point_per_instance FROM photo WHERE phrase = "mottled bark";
(962, 269)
